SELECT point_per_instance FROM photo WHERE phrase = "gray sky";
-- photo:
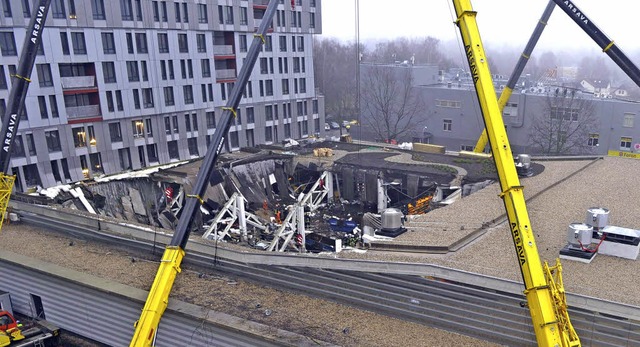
(508, 22)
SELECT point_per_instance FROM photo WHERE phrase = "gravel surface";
(311, 317)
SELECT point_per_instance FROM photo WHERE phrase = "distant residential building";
(127, 84)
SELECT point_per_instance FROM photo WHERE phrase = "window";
(167, 125)
(129, 43)
(564, 113)
(185, 13)
(119, 103)
(138, 128)
(285, 86)
(170, 66)
(594, 140)
(625, 143)
(243, 43)
(110, 104)
(152, 152)
(7, 44)
(138, 10)
(190, 67)
(163, 70)
(42, 102)
(447, 124)
(109, 71)
(287, 130)
(57, 9)
(156, 11)
(268, 44)
(141, 43)
(223, 91)
(211, 119)
(264, 67)
(206, 67)
(314, 105)
(233, 139)
(72, 9)
(126, 8)
(268, 134)
(132, 71)
(202, 13)
(176, 128)
(628, 120)
(268, 112)
(79, 47)
(188, 94)
(163, 8)
(300, 43)
(173, 149)
(53, 141)
(303, 85)
(114, 132)
(250, 116)
(163, 43)
(54, 106)
(194, 122)
(44, 75)
(193, 146)
(145, 74)
(31, 145)
(149, 127)
(97, 7)
(108, 43)
(79, 137)
(187, 122)
(147, 97)
(26, 9)
(136, 99)
(296, 64)
(64, 42)
(269, 87)
(228, 14)
(220, 15)
(201, 42)
(168, 96)
(243, 16)
(312, 20)
(283, 43)
(183, 45)
(18, 147)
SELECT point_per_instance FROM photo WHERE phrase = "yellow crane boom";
(545, 297)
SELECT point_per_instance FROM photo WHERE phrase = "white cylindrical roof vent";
(597, 217)
(579, 233)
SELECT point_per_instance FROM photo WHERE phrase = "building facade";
(126, 84)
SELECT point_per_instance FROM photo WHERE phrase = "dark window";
(167, 125)
(79, 47)
(243, 43)
(176, 127)
(132, 71)
(202, 13)
(173, 149)
(163, 7)
(126, 8)
(141, 43)
(177, 7)
(250, 115)
(57, 9)
(201, 42)
(119, 104)
(7, 44)
(109, 71)
(64, 42)
(147, 97)
(44, 75)
(168, 96)
(193, 146)
(3, 79)
(53, 141)
(79, 137)
(26, 9)
(183, 45)
(211, 120)
(72, 9)
(187, 122)
(54, 106)
(136, 99)
(138, 10)
(145, 74)
(206, 68)
(163, 43)
(188, 94)
(185, 13)
(110, 104)
(129, 43)
(152, 152)
(42, 102)
(108, 43)
(18, 147)
(98, 9)
(156, 11)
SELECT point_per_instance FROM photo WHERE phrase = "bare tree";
(565, 124)
(390, 105)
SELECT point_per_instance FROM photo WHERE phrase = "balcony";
(78, 82)
(223, 51)
(262, 4)
(83, 112)
(227, 74)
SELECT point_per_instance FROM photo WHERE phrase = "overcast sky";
(508, 22)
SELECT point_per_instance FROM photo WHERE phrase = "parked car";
(335, 125)
(327, 127)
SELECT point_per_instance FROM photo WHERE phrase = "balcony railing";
(222, 50)
(83, 111)
(261, 2)
(78, 82)
(225, 74)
